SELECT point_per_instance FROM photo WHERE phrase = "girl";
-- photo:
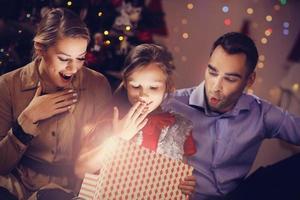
(146, 83)
(43, 107)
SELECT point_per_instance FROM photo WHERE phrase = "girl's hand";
(187, 186)
(46, 106)
(132, 122)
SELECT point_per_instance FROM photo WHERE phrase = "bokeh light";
(250, 11)
(264, 40)
(185, 35)
(225, 9)
(295, 87)
(268, 32)
(227, 22)
(127, 28)
(283, 2)
(105, 32)
(261, 58)
(286, 24)
(276, 7)
(285, 31)
(190, 6)
(260, 65)
(269, 18)
(184, 21)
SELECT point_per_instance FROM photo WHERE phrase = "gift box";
(133, 172)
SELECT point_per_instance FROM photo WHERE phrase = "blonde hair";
(58, 23)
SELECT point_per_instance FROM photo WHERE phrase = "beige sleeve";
(11, 149)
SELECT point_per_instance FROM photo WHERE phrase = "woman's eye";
(153, 88)
(135, 86)
(81, 59)
(63, 59)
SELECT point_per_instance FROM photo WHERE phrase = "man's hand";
(132, 122)
(187, 186)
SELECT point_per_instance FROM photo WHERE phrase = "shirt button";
(53, 133)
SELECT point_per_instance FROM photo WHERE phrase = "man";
(230, 125)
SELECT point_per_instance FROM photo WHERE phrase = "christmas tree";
(116, 26)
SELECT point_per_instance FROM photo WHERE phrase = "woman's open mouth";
(66, 77)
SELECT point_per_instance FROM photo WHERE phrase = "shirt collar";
(29, 76)
(197, 99)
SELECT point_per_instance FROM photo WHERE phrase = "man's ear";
(251, 79)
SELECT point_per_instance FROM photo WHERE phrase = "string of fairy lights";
(266, 32)
(107, 42)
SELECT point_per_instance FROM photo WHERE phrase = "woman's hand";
(187, 186)
(132, 122)
(46, 106)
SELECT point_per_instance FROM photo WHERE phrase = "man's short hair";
(235, 43)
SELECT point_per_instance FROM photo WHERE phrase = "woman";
(45, 108)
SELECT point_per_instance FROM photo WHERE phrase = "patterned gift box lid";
(133, 172)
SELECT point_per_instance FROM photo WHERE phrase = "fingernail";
(74, 100)
(74, 94)
(69, 107)
(71, 90)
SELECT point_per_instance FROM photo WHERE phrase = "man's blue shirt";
(227, 143)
